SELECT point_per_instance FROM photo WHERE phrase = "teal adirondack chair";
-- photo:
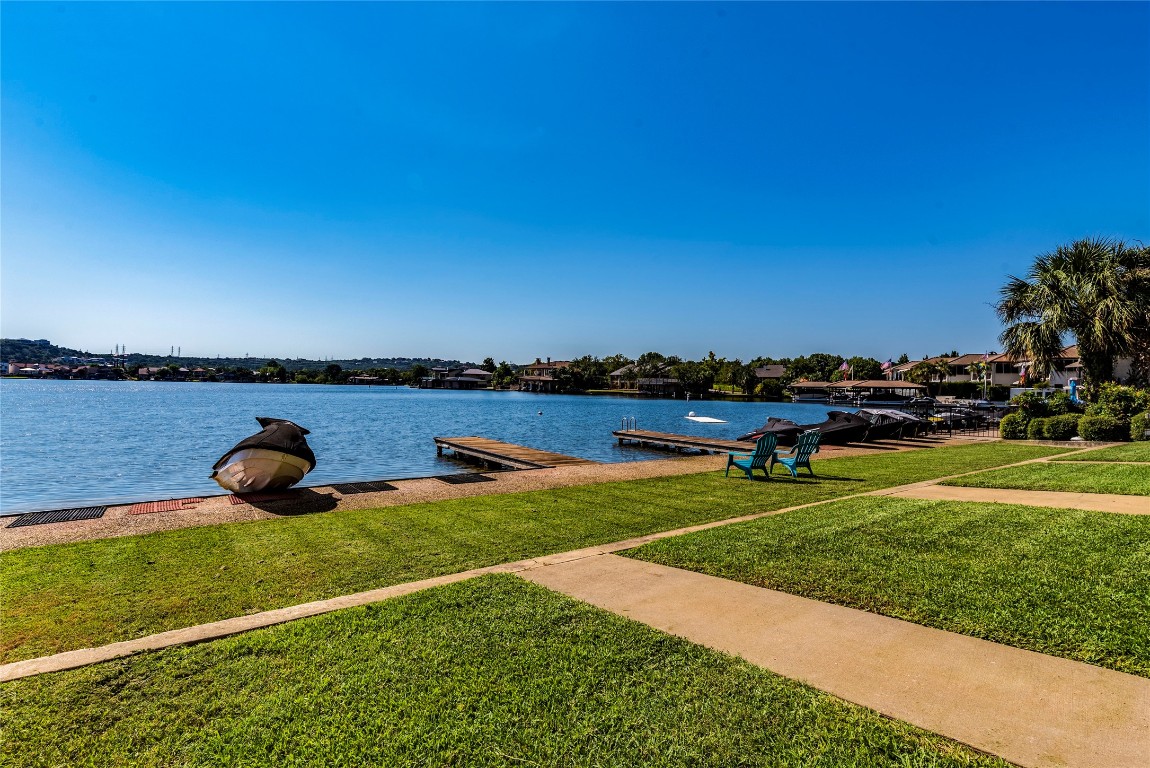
(764, 452)
(800, 455)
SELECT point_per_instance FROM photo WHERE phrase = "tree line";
(696, 377)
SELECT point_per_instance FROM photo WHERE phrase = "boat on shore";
(888, 423)
(839, 428)
(275, 458)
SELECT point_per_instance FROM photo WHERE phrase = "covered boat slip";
(873, 391)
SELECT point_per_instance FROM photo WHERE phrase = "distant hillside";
(43, 351)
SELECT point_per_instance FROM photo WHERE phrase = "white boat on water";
(703, 419)
(273, 459)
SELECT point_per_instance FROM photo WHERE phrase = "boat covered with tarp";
(888, 423)
(839, 428)
(275, 458)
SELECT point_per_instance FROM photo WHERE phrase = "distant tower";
(179, 351)
(171, 350)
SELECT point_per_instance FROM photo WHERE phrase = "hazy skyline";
(521, 180)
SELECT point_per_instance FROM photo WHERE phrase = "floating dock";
(679, 442)
(500, 454)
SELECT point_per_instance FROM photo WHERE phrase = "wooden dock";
(500, 454)
(679, 442)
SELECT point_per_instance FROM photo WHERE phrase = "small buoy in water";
(540, 413)
(692, 413)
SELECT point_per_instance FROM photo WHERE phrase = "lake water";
(70, 443)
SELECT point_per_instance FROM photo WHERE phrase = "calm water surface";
(66, 443)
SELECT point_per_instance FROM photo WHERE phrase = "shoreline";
(218, 510)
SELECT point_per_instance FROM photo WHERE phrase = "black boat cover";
(277, 435)
(839, 428)
(784, 429)
(886, 422)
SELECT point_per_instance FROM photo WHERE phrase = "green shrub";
(1036, 429)
(1059, 403)
(1105, 428)
(1118, 401)
(1033, 404)
(1139, 426)
(1062, 427)
(1013, 426)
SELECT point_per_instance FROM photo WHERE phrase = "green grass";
(1130, 452)
(1062, 582)
(72, 596)
(1129, 479)
(491, 672)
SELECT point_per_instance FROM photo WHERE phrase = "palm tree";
(928, 373)
(1097, 291)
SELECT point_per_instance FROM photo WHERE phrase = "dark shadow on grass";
(306, 502)
(808, 478)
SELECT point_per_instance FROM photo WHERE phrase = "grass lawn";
(1130, 452)
(72, 596)
(1061, 582)
(1129, 479)
(490, 672)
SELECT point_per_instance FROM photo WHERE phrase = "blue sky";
(520, 180)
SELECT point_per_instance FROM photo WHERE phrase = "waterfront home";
(1070, 364)
(539, 376)
(456, 378)
(767, 373)
(623, 378)
(662, 382)
(471, 378)
(39, 370)
(163, 374)
(1006, 370)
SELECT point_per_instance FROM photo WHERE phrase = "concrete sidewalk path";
(1029, 708)
(1096, 502)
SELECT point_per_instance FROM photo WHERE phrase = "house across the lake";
(456, 378)
(661, 380)
(539, 376)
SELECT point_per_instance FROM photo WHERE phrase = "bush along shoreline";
(1117, 414)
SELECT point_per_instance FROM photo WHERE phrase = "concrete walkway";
(1029, 708)
(1096, 502)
